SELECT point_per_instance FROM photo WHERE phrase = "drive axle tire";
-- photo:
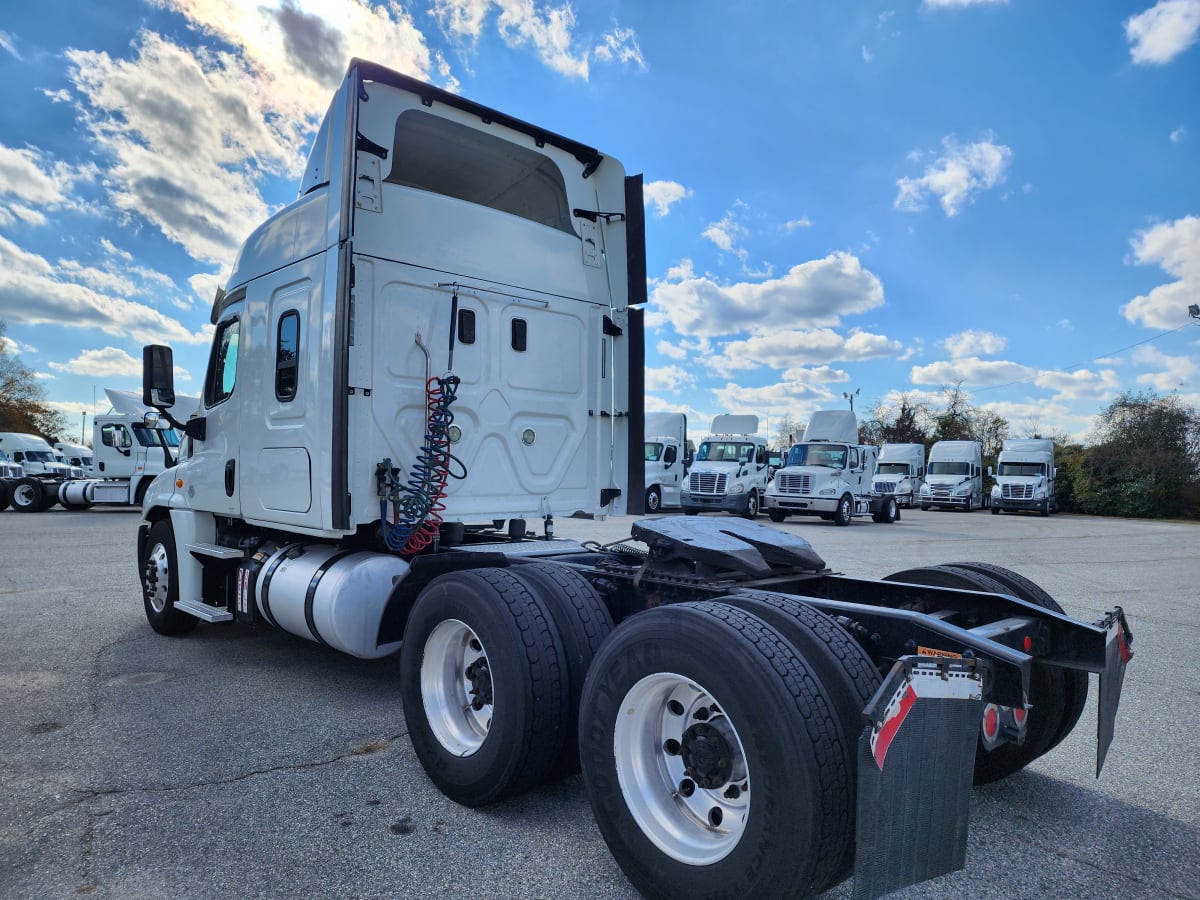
(583, 622)
(484, 685)
(1047, 692)
(776, 515)
(712, 757)
(653, 500)
(1075, 682)
(840, 664)
(28, 495)
(889, 514)
(995, 510)
(159, 570)
(5, 495)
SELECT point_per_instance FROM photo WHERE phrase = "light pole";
(851, 397)
(83, 428)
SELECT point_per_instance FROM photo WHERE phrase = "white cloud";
(1163, 31)
(671, 351)
(796, 398)
(956, 176)
(728, 232)
(35, 292)
(973, 343)
(1178, 134)
(29, 176)
(867, 55)
(947, 4)
(1082, 384)
(782, 349)
(971, 370)
(113, 250)
(549, 31)
(795, 224)
(1174, 371)
(110, 361)
(669, 378)
(813, 294)
(1175, 246)
(664, 195)
(7, 42)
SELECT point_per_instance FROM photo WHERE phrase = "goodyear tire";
(845, 510)
(28, 495)
(484, 685)
(1047, 691)
(840, 664)
(583, 622)
(713, 777)
(1075, 682)
(159, 570)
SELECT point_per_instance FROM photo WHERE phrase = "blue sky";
(884, 197)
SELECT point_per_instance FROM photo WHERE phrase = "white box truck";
(954, 477)
(901, 472)
(731, 471)
(438, 334)
(669, 455)
(829, 474)
(1025, 476)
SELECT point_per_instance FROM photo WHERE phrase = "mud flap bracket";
(915, 768)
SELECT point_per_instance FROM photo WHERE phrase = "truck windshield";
(725, 451)
(40, 456)
(831, 455)
(654, 451)
(892, 469)
(1028, 469)
(949, 468)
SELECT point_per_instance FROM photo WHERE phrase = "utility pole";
(83, 428)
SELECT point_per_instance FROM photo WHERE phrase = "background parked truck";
(731, 470)
(37, 488)
(829, 474)
(900, 471)
(954, 477)
(1025, 476)
(389, 377)
(669, 455)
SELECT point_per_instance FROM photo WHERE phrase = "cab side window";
(222, 370)
(115, 436)
(287, 356)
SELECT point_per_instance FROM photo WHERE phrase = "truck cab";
(901, 471)
(78, 457)
(954, 477)
(828, 474)
(34, 455)
(669, 455)
(730, 473)
(10, 468)
(1025, 476)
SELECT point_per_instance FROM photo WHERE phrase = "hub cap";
(158, 578)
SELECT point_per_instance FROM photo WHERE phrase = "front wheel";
(969, 506)
(160, 582)
(484, 685)
(5, 495)
(845, 511)
(751, 506)
(713, 780)
(653, 500)
(776, 515)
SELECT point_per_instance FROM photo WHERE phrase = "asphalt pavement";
(242, 762)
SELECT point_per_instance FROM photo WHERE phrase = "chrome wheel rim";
(456, 687)
(682, 769)
(158, 577)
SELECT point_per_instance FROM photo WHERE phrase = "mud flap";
(1117, 656)
(915, 767)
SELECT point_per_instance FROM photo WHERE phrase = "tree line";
(1142, 459)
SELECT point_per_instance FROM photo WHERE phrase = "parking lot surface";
(240, 762)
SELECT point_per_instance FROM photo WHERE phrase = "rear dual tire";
(727, 777)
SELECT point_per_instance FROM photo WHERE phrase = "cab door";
(211, 474)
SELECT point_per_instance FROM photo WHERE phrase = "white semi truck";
(440, 335)
(954, 477)
(731, 471)
(77, 456)
(1025, 476)
(829, 474)
(10, 471)
(900, 472)
(669, 454)
(42, 474)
